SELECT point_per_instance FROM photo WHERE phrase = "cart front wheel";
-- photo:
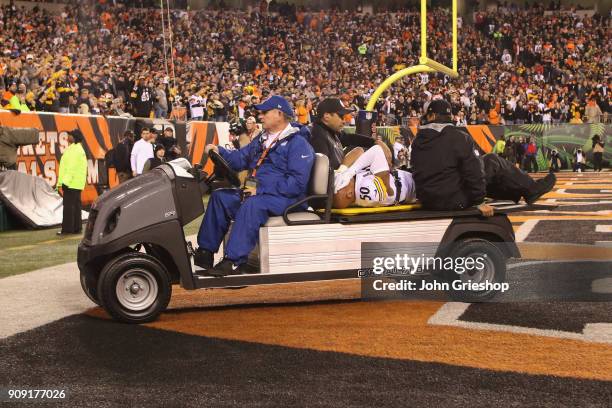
(134, 288)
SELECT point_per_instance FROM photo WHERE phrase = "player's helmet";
(237, 128)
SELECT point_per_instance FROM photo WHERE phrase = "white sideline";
(40, 297)
(36, 298)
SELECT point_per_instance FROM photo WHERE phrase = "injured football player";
(365, 179)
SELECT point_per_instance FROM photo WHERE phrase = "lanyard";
(263, 156)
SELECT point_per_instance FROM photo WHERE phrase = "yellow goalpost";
(426, 64)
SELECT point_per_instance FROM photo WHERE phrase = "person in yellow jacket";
(500, 146)
(18, 100)
(72, 178)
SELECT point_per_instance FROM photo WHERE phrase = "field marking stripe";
(525, 229)
(450, 313)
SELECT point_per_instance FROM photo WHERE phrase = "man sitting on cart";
(279, 162)
(450, 175)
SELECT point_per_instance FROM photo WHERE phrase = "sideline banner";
(565, 138)
(101, 134)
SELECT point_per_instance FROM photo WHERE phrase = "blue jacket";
(285, 171)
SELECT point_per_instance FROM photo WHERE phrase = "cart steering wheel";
(223, 170)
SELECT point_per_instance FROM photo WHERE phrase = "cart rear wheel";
(491, 269)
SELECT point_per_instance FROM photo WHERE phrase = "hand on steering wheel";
(211, 147)
(222, 169)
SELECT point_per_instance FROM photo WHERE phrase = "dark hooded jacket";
(447, 173)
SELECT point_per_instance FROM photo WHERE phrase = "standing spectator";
(482, 118)
(142, 98)
(168, 140)
(71, 180)
(219, 109)
(158, 159)
(579, 161)
(598, 150)
(508, 114)
(510, 150)
(302, 112)
(593, 112)
(520, 114)
(575, 120)
(83, 98)
(141, 152)
(531, 151)
(196, 107)
(18, 101)
(65, 92)
(161, 102)
(520, 152)
(556, 114)
(555, 161)
(461, 121)
(500, 146)
(251, 127)
(122, 156)
(8, 95)
(401, 153)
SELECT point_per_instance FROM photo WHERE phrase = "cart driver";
(365, 179)
(279, 161)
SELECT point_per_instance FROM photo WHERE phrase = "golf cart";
(134, 246)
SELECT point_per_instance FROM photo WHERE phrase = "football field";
(319, 344)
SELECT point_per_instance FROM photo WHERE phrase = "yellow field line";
(51, 241)
(575, 195)
(558, 252)
(585, 186)
(559, 217)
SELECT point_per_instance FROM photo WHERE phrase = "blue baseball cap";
(276, 102)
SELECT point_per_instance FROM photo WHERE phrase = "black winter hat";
(77, 135)
(439, 107)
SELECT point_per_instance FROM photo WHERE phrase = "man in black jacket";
(327, 135)
(450, 175)
(122, 156)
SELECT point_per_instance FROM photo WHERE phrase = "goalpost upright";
(366, 118)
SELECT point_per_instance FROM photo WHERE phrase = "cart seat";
(318, 185)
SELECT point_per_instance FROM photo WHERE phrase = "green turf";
(24, 251)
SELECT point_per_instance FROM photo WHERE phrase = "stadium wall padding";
(102, 133)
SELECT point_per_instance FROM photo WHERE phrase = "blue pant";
(225, 205)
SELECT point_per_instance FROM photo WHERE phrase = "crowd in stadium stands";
(517, 65)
